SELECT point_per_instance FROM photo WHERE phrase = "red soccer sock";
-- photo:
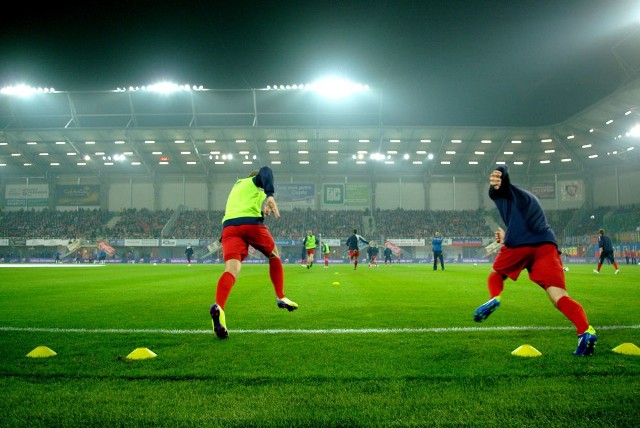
(599, 266)
(495, 283)
(277, 276)
(225, 284)
(575, 312)
(615, 265)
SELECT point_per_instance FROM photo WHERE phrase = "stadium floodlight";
(634, 132)
(335, 87)
(330, 87)
(163, 87)
(24, 90)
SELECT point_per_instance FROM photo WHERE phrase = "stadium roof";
(438, 70)
(204, 132)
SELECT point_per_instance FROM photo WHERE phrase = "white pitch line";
(314, 331)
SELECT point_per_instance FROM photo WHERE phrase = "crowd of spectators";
(47, 224)
(400, 223)
(139, 223)
(625, 218)
(294, 223)
(197, 224)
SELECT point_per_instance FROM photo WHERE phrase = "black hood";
(505, 174)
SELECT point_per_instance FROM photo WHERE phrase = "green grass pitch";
(387, 346)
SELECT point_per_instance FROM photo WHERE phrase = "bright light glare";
(24, 90)
(334, 87)
(166, 87)
(634, 132)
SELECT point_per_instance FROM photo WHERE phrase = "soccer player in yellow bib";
(310, 242)
(325, 253)
(250, 200)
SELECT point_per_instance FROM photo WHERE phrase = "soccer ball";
(592, 217)
(566, 269)
(475, 264)
(155, 264)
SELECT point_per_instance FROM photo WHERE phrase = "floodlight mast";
(255, 108)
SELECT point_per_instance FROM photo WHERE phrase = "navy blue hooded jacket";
(522, 214)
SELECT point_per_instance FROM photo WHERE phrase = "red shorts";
(541, 261)
(354, 253)
(236, 241)
(311, 251)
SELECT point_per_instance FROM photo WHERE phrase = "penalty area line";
(312, 331)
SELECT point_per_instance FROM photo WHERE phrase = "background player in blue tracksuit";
(436, 242)
(189, 253)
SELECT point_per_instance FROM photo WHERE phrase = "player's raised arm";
(270, 206)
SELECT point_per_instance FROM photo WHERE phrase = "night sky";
(437, 63)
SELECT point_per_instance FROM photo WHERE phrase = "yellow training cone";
(335, 283)
(526, 351)
(41, 352)
(627, 349)
(141, 354)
